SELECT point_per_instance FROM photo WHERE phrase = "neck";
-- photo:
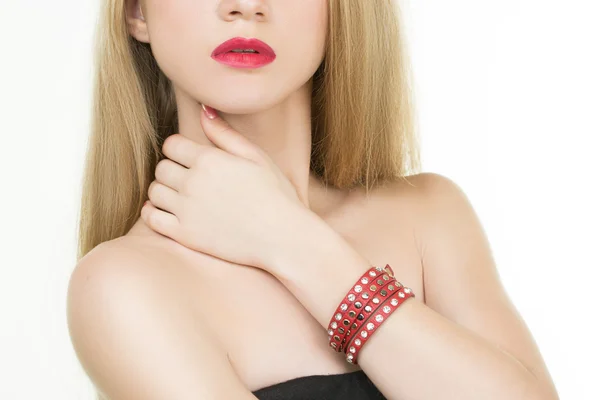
(283, 132)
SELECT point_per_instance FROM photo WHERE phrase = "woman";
(274, 141)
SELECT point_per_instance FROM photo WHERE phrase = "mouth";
(244, 45)
(244, 53)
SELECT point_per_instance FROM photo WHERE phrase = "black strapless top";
(354, 385)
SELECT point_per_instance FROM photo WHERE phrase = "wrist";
(304, 237)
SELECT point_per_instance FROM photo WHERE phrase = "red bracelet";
(386, 309)
(380, 294)
(380, 288)
(347, 310)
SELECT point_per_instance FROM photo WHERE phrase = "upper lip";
(241, 43)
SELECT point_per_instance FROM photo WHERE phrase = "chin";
(241, 103)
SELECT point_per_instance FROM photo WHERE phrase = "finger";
(170, 174)
(163, 197)
(159, 221)
(182, 150)
(222, 135)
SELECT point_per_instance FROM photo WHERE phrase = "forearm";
(417, 353)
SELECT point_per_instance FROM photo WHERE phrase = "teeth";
(244, 51)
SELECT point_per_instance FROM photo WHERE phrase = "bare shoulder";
(460, 277)
(133, 334)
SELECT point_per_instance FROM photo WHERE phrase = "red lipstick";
(240, 52)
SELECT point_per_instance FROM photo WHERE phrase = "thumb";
(222, 135)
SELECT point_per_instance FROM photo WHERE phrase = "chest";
(268, 335)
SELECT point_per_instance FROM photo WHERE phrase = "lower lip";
(244, 60)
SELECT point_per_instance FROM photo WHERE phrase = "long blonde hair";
(362, 113)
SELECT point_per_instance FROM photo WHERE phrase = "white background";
(509, 105)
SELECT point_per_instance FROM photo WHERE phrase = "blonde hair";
(362, 113)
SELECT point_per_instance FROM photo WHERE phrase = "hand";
(230, 201)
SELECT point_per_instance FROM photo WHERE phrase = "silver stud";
(379, 281)
(364, 280)
(365, 295)
(344, 307)
(375, 300)
(351, 297)
(357, 342)
(378, 318)
(372, 273)
(394, 302)
(363, 334)
(352, 349)
(386, 277)
(400, 294)
(390, 287)
(379, 269)
(368, 308)
(330, 332)
(333, 344)
(349, 358)
(407, 290)
(387, 309)
(358, 288)
(338, 316)
(398, 284)
(334, 324)
(370, 326)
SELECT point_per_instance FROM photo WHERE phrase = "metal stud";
(364, 280)
(357, 342)
(338, 316)
(394, 302)
(383, 292)
(378, 318)
(334, 324)
(351, 297)
(358, 288)
(352, 349)
(344, 307)
(358, 304)
(361, 317)
(375, 300)
(387, 309)
(352, 314)
(372, 288)
(341, 330)
(379, 282)
(370, 326)
(346, 322)
(390, 287)
(365, 295)
(363, 334)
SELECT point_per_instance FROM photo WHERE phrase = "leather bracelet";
(382, 290)
(377, 318)
(347, 310)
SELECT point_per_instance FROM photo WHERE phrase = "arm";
(135, 340)
(468, 342)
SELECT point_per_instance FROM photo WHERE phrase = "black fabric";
(346, 386)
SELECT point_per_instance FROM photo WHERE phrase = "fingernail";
(209, 111)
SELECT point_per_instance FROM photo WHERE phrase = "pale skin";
(189, 304)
